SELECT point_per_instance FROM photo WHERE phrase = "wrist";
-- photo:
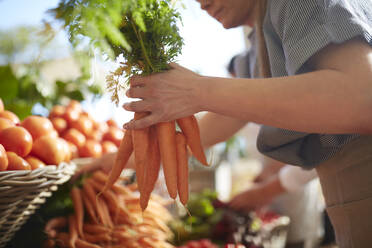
(200, 87)
(274, 187)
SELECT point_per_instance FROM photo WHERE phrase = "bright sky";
(208, 46)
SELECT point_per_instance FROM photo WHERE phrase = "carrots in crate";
(134, 228)
(79, 209)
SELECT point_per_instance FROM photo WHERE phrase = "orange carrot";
(140, 138)
(90, 208)
(182, 169)
(72, 231)
(53, 224)
(166, 132)
(122, 157)
(97, 238)
(62, 239)
(79, 209)
(153, 167)
(90, 193)
(105, 211)
(190, 128)
(84, 244)
(92, 228)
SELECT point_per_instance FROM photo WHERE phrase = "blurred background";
(39, 69)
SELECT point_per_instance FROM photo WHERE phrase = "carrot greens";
(144, 32)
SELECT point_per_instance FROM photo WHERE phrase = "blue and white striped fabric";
(294, 31)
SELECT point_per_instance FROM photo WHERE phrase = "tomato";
(5, 123)
(95, 135)
(59, 124)
(75, 137)
(57, 111)
(16, 162)
(3, 158)
(37, 126)
(193, 244)
(73, 149)
(50, 149)
(71, 115)
(10, 116)
(73, 104)
(112, 123)
(108, 147)
(34, 162)
(1, 105)
(83, 124)
(67, 150)
(91, 149)
(114, 135)
(16, 139)
(100, 126)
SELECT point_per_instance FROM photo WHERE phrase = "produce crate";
(22, 192)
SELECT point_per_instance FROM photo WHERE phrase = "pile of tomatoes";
(203, 243)
(68, 133)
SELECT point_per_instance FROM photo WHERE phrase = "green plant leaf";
(8, 83)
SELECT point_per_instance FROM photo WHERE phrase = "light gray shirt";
(294, 31)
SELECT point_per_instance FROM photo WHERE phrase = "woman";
(314, 99)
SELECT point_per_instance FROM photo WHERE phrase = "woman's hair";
(263, 62)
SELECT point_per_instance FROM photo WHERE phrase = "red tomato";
(3, 158)
(75, 137)
(73, 149)
(91, 149)
(1, 105)
(59, 124)
(71, 115)
(111, 123)
(10, 116)
(95, 135)
(37, 126)
(5, 123)
(16, 162)
(73, 104)
(114, 135)
(67, 150)
(50, 149)
(101, 126)
(108, 147)
(57, 111)
(34, 162)
(83, 124)
(16, 139)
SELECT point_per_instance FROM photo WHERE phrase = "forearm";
(216, 128)
(303, 102)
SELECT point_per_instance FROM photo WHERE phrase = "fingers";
(141, 123)
(138, 106)
(137, 92)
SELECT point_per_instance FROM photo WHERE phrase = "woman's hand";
(166, 96)
(260, 195)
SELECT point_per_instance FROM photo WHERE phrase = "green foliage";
(145, 32)
(23, 50)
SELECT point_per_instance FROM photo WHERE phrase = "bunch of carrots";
(112, 219)
(160, 143)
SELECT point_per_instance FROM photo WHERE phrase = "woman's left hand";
(166, 96)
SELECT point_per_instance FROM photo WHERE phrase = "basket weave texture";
(22, 192)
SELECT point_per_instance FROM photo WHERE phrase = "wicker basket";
(22, 192)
